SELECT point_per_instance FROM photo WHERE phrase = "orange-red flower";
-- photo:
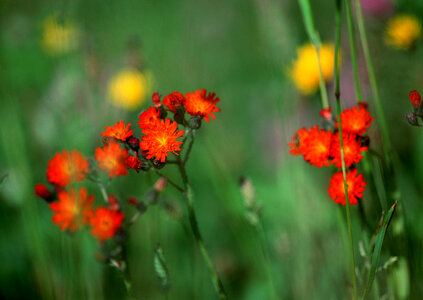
(201, 104)
(112, 159)
(316, 147)
(105, 223)
(415, 98)
(355, 186)
(352, 150)
(174, 100)
(118, 131)
(297, 144)
(161, 139)
(72, 209)
(356, 119)
(133, 163)
(149, 118)
(66, 167)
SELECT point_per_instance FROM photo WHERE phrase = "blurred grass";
(238, 49)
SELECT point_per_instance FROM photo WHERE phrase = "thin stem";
(315, 40)
(351, 35)
(341, 141)
(197, 235)
(171, 182)
(189, 148)
(103, 191)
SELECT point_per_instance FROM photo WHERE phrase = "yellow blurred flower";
(305, 69)
(402, 31)
(129, 88)
(59, 36)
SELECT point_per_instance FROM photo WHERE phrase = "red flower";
(415, 98)
(118, 131)
(133, 163)
(67, 167)
(42, 191)
(105, 223)
(297, 144)
(198, 103)
(174, 100)
(72, 209)
(355, 186)
(352, 150)
(356, 119)
(112, 159)
(316, 147)
(161, 139)
(326, 113)
(149, 118)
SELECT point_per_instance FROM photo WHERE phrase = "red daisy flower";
(356, 119)
(72, 209)
(174, 100)
(355, 186)
(161, 139)
(352, 150)
(66, 167)
(118, 131)
(316, 147)
(112, 159)
(105, 223)
(149, 118)
(297, 144)
(198, 103)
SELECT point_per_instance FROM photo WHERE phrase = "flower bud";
(326, 113)
(113, 202)
(133, 163)
(415, 98)
(412, 119)
(42, 192)
(158, 164)
(160, 184)
(195, 122)
(133, 143)
(156, 100)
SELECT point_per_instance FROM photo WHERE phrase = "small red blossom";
(174, 100)
(156, 100)
(42, 191)
(133, 163)
(72, 209)
(105, 223)
(297, 144)
(66, 167)
(415, 98)
(355, 186)
(149, 118)
(118, 131)
(352, 149)
(356, 119)
(161, 139)
(113, 202)
(317, 147)
(112, 159)
(198, 103)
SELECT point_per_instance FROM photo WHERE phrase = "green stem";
(353, 48)
(171, 182)
(189, 147)
(197, 234)
(341, 141)
(315, 40)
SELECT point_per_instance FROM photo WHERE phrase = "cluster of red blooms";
(121, 151)
(321, 147)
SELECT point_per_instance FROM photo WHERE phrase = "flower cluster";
(121, 150)
(321, 147)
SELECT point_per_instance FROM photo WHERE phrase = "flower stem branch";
(197, 234)
(189, 147)
(171, 182)
(344, 172)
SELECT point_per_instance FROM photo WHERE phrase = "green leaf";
(3, 179)
(161, 270)
(378, 248)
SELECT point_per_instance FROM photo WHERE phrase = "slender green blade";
(378, 247)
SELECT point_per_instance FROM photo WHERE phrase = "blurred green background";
(241, 50)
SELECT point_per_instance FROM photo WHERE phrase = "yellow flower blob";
(402, 31)
(128, 89)
(305, 69)
(59, 36)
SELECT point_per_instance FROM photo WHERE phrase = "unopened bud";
(158, 164)
(326, 113)
(156, 100)
(195, 122)
(133, 163)
(412, 119)
(160, 184)
(42, 192)
(248, 192)
(415, 98)
(133, 143)
(113, 202)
